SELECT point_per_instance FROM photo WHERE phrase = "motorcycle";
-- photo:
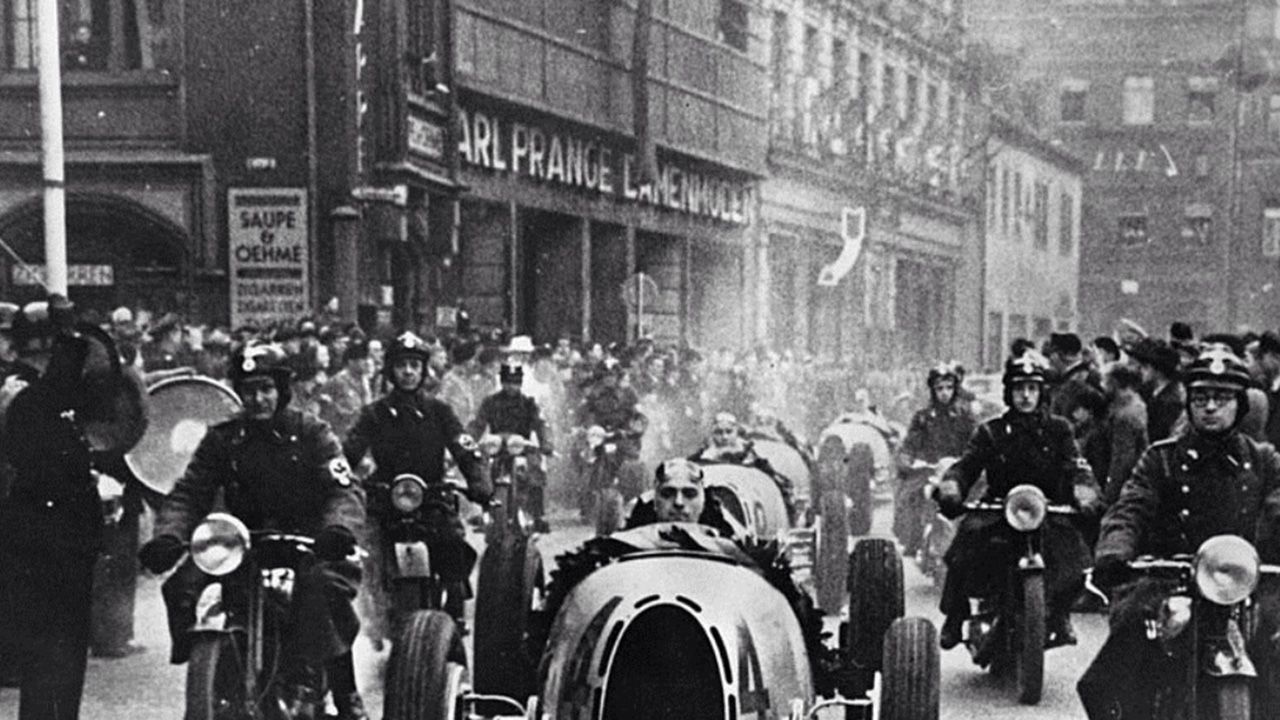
(937, 531)
(511, 460)
(234, 670)
(1006, 630)
(611, 469)
(1206, 621)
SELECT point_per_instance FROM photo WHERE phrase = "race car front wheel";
(427, 670)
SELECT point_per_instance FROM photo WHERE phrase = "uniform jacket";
(1185, 490)
(409, 433)
(519, 414)
(939, 431)
(1015, 448)
(287, 474)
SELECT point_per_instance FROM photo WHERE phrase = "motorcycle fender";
(412, 560)
(1031, 563)
(211, 616)
(1227, 656)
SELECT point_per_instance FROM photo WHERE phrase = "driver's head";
(678, 492)
(724, 430)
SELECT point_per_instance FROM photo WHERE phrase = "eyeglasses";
(1200, 397)
(723, 431)
(670, 493)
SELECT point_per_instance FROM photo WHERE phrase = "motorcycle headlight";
(516, 444)
(1226, 569)
(1025, 507)
(408, 492)
(219, 544)
(490, 444)
(595, 436)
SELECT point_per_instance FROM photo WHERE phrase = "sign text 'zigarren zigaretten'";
(268, 230)
(559, 157)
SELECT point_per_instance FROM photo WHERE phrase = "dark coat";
(288, 474)
(939, 431)
(1163, 410)
(409, 433)
(1127, 439)
(519, 414)
(610, 408)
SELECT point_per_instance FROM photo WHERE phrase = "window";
(782, 100)
(1040, 209)
(1133, 230)
(1066, 225)
(889, 90)
(1072, 100)
(1004, 201)
(840, 68)
(1018, 204)
(993, 197)
(97, 35)
(1197, 225)
(1202, 93)
(425, 63)
(1043, 328)
(1271, 231)
(810, 51)
(1202, 165)
(1139, 100)
(864, 77)
(1273, 118)
(995, 340)
(733, 24)
(932, 110)
(913, 97)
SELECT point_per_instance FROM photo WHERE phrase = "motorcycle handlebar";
(999, 507)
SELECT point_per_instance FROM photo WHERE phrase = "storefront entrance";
(551, 277)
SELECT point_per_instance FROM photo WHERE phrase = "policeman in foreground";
(1025, 445)
(281, 469)
(51, 516)
(511, 411)
(1213, 480)
(408, 431)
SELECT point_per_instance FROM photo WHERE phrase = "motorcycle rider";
(615, 408)
(408, 431)
(937, 431)
(276, 468)
(1024, 445)
(511, 411)
(1212, 480)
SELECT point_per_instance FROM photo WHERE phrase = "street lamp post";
(55, 200)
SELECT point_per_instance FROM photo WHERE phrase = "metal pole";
(55, 200)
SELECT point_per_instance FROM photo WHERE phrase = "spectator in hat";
(1165, 397)
(165, 351)
(350, 389)
(1184, 341)
(1105, 351)
(1072, 373)
(1268, 361)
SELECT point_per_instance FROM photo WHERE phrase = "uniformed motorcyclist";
(408, 431)
(1025, 445)
(936, 432)
(1213, 480)
(615, 408)
(281, 469)
(511, 411)
(51, 515)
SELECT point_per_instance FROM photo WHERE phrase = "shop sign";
(269, 254)
(77, 275)
(426, 138)
(1152, 161)
(561, 158)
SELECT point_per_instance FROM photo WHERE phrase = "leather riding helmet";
(1218, 367)
(511, 373)
(941, 371)
(263, 360)
(1030, 366)
(406, 345)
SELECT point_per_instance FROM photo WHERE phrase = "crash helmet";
(511, 372)
(942, 371)
(609, 366)
(1030, 366)
(263, 359)
(1218, 367)
(407, 344)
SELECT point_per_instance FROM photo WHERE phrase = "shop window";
(1197, 225)
(97, 35)
(1202, 93)
(1139, 100)
(1271, 231)
(1133, 230)
(733, 24)
(1066, 225)
(1273, 118)
(1072, 100)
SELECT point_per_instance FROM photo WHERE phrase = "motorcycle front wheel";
(1029, 638)
(1233, 699)
(215, 680)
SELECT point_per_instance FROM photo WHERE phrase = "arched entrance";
(119, 253)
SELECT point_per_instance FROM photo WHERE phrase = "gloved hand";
(1110, 570)
(161, 553)
(949, 498)
(1088, 500)
(334, 543)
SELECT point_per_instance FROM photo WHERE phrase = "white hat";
(520, 344)
(121, 315)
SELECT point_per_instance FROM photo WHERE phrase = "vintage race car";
(792, 464)
(678, 622)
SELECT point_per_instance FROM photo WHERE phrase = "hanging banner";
(268, 254)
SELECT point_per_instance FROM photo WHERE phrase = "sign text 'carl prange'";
(559, 157)
(268, 232)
